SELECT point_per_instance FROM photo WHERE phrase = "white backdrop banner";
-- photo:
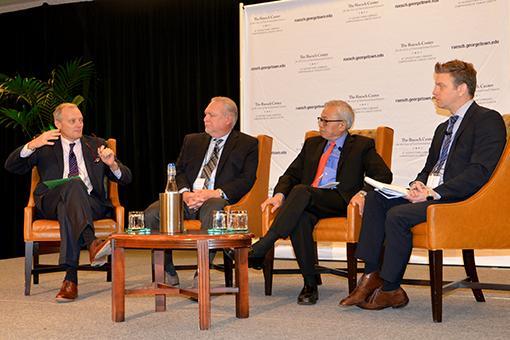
(377, 55)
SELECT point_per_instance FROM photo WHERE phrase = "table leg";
(204, 289)
(242, 297)
(118, 283)
(159, 277)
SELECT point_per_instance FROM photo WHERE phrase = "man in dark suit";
(334, 156)
(215, 168)
(63, 153)
(463, 154)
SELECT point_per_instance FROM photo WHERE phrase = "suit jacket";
(357, 160)
(475, 152)
(237, 167)
(50, 165)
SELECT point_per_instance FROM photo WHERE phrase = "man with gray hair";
(230, 156)
(304, 192)
(81, 163)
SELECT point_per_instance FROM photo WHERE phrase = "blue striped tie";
(446, 145)
(73, 163)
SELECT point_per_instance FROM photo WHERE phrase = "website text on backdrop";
(324, 178)
(462, 156)
(72, 168)
(215, 168)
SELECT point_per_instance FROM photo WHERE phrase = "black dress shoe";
(255, 262)
(308, 296)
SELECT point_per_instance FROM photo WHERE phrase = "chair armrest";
(353, 223)
(268, 218)
(29, 213)
(119, 218)
(242, 204)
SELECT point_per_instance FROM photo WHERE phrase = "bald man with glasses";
(307, 192)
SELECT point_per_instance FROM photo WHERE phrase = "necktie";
(73, 163)
(443, 155)
(211, 164)
(322, 164)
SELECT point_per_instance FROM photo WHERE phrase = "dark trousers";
(387, 223)
(75, 211)
(297, 218)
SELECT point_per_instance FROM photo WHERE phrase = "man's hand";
(359, 200)
(194, 200)
(418, 192)
(276, 201)
(45, 138)
(108, 157)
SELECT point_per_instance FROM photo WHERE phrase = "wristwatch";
(430, 198)
(222, 194)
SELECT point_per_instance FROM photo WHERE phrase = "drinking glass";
(219, 221)
(238, 220)
(135, 221)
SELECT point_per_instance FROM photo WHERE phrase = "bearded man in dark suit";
(230, 156)
(334, 156)
(464, 152)
(62, 153)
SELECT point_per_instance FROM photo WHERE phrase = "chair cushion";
(49, 230)
(420, 238)
(192, 225)
(333, 229)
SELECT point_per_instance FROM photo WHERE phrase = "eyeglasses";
(321, 120)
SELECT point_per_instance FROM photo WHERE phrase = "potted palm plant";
(28, 103)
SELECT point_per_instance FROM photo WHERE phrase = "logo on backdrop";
(314, 62)
(366, 103)
(266, 24)
(416, 51)
(358, 11)
(268, 110)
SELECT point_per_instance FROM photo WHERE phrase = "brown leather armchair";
(480, 222)
(334, 229)
(250, 202)
(257, 194)
(43, 236)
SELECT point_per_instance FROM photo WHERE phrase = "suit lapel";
(465, 122)
(59, 156)
(200, 153)
(227, 149)
(346, 149)
(88, 158)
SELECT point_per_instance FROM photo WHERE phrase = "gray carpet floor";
(38, 316)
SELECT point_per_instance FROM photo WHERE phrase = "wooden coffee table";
(195, 239)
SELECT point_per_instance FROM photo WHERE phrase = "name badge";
(433, 181)
(199, 184)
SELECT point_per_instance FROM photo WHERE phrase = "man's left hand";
(205, 194)
(107, 157)
(418, 192)
(359, 200)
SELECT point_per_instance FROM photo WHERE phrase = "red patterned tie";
(322, 164)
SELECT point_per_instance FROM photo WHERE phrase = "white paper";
(329, 185)
(387, 190)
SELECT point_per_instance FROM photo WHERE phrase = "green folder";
(51, 184)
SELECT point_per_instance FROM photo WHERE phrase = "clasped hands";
(418, 192)
(195, 199)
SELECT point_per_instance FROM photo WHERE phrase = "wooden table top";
(184, 240)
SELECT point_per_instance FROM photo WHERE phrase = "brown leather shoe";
(68, 292)
(99, 251)
(366, 286)
(380, 299)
